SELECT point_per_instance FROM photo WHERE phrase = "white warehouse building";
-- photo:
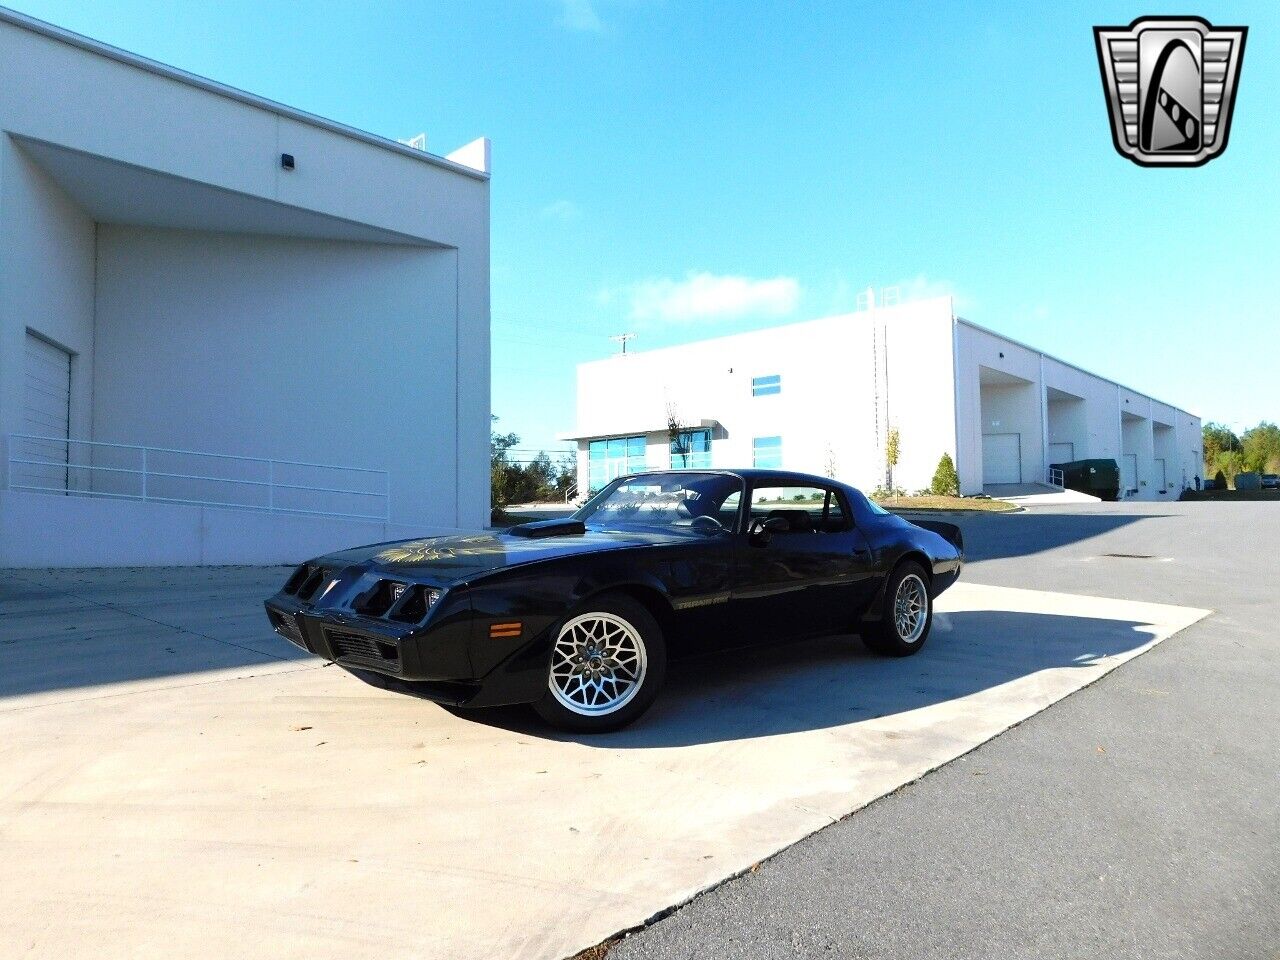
(230, 331)
(821, 396)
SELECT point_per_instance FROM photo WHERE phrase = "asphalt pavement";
(1140, 817)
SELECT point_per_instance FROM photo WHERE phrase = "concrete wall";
(278, 333)
(1089, 417)
(306, 350)
(833, 405)
(46, 283)
(1096, 419)
(1068, 423)
(995, 410)
(1015, 409)
(37, 530)
(944, 383)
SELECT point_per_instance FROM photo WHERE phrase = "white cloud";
(706, 296)
(562, 210)
(580, 15)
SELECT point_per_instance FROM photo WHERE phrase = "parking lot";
(176, 781)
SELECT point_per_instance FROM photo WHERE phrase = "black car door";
(811, 577)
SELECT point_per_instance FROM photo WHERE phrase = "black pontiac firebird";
(578, 616)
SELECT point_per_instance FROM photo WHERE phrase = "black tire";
(619, 611)
(883, 636)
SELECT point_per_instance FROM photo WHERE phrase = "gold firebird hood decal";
(426, 551)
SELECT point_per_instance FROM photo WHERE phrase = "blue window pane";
(766, 452)
(615, 457)
(766, 386)
(692, 449)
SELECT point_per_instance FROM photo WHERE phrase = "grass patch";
(931, 502)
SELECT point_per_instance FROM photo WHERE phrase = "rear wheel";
(907, 617)
(607, 665)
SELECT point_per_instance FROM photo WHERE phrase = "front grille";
(287, 626)
(350, 646)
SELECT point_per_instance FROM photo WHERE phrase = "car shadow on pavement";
(830, 682)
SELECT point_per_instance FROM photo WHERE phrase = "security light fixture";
(286, 160)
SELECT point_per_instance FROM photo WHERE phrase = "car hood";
(445, 560)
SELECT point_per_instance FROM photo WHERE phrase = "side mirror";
(762, 529)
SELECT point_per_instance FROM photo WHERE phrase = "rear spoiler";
(948, 531)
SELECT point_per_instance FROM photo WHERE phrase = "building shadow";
(71, 630)
(995, 536)
(831, 682)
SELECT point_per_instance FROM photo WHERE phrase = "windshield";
(706, 502)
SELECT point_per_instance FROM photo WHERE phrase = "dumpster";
(1098, 478)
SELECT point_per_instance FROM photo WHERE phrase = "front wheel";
(907, 617)
(607, 665)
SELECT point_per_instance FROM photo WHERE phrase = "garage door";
(1002, 458)
(46, 412)
(1062, 452)
(1129, 472)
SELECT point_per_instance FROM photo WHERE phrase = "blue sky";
(684, 170)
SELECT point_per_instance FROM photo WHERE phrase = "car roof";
(754, 474)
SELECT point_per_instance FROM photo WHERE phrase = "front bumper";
(433, 659)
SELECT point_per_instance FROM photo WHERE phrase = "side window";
(728, 513)
(806, 509)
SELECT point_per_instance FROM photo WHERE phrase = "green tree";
(1218, 439)
(892, 448)
(1260, 447)
(1228, 464)
(502, 473)
(946, 482)
(511, 481)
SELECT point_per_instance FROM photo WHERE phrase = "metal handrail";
(145, 473)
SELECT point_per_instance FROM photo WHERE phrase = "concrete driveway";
(177, 782)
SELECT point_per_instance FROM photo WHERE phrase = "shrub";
(946, 483)
(1219, 481)
(887, 493)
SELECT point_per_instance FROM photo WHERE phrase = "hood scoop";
(549, 528)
